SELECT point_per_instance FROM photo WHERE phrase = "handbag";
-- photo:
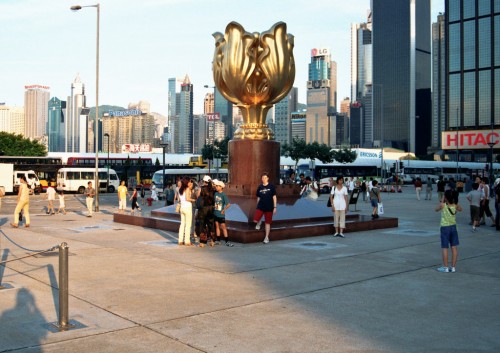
(380, 208)
(329, 202)
(178, 208)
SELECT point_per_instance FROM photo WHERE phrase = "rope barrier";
(31, 255)
(20, 246)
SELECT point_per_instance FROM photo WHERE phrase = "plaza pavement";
(135, 290)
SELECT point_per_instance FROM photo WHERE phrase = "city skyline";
(144, 45)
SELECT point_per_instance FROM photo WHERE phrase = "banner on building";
(469, 139)
(213, 117)
(136, 147)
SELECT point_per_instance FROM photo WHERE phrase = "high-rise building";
(77, 127)
(361, 132)
(127, 127)
(208, 103)
(225, 110)
(36, 100)
(183, 122)
(344, 106)
(174, 87)
(283, 116)
(299, 125)
(57, 125)
(438, 124)
(472, 82)
(199, 133)
(12, 119)
(401, 84)
(321, 97)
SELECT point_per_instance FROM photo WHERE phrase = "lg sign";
(475, 139)
(320, 52)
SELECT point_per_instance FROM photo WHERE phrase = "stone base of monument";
(295, 218)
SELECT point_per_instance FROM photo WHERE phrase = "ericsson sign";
(129, 112)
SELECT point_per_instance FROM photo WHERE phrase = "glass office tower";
(473, 77)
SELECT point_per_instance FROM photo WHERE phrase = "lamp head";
(75, 7)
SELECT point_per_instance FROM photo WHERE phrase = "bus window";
(88, 175)
(103, 175)
(72, 175)
(113, 176)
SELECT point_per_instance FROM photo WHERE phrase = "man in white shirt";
(51, 196)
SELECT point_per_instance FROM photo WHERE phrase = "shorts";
(475, 213)
(267, 214)
(374, 202)
(449, 236)
(122, 204)
(220, 219)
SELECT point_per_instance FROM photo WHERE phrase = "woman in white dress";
(340, 205)
(154, 194)
(186, 199)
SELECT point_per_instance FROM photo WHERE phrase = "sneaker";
(336, 235)
(266, 240)
(217, 242)
(452, 269)
(257, 225)
(341, 235)
(443, 269)
(229, 244)
(473, 229)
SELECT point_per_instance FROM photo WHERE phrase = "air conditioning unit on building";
(309, 84)
(325, 83)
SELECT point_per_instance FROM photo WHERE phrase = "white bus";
(76, 179)
(195, 173)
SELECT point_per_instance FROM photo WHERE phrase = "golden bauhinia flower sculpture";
(254, 71)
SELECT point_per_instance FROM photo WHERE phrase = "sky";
(144, 43)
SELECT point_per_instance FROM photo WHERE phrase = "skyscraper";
(401, 85)
(36, 100)
(183, 131)
(472, 77)
(438, 82)
(225, 110)
(361, 133)
(174, 86)
(77, 124)
(321, 97)
(57, 125)
(283, 116)
(12, 119)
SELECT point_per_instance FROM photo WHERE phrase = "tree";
(344, 155)
(17, 145)
(218, 150)
(296, 150)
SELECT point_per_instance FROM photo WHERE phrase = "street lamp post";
(164, 146)
(98, 7)
(492, 144)
(107, 135)
(458, 123)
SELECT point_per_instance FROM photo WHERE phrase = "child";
(221, 205)
(375, 198)
(133, 198)
(475, 197)
(449, 235)
(62, 205)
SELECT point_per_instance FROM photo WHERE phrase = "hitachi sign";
(473, 139)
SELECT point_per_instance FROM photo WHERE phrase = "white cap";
(206, 178)
(218, 182)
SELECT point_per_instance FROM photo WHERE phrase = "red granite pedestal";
(295, 217)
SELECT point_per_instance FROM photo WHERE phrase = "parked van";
(76, 179)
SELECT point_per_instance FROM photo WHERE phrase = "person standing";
(363, 189)
(169, 195)
(375, 198)
(23, 203)
(122, 197)
(143, 194)
(440, 187)
(340, 205)
(485, 204)
(428, 189)
(51, 197)
(221, 205)
(475, 198)
(62, 204)
(205, 215)
(90, 192)
(266, 205)
(449, 236)
(418, 187)
(186, 211)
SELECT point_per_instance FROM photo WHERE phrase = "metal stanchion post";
(63, 323)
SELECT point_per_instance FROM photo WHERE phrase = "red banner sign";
(470, 139)
(213, 117)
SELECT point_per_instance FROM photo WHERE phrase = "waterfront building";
(36, 100)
